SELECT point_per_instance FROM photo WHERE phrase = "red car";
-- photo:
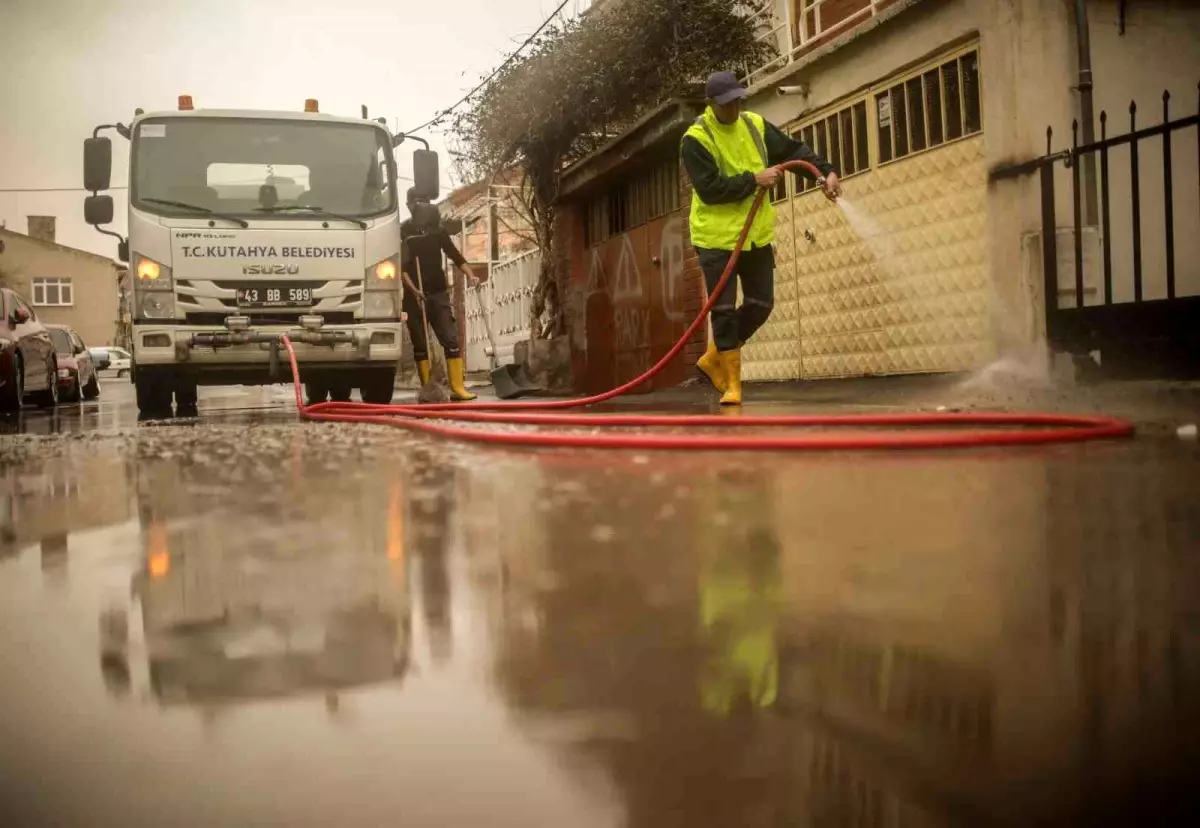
(76, 371)
(28, 363)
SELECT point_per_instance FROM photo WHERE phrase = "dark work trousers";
(440, 311)
(732, 325)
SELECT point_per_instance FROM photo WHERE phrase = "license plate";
(274, 296)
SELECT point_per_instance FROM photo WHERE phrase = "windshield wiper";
(310, 208)
(183, 205)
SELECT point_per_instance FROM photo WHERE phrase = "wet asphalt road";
(252, 621)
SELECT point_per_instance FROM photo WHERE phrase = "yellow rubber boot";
(732, 361)
(710, 365)
(456, 374)
(423, 371)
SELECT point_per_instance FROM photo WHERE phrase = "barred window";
(643, 196)
(930, 109)
(841, 138)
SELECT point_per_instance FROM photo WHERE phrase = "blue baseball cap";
(723, 88)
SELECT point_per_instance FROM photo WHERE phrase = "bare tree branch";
(582, 82)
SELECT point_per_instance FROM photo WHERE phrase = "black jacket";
(714, 188)
(427, 248)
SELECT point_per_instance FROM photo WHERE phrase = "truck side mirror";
(426, 177)
(98, 209)
(97, 164)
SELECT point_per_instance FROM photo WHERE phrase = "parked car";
(100, 358)
(114, 359)
(28, 362)
(76, 372)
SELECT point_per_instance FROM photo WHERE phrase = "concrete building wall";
(1025, 71)
(93, 312)
(1028, 71)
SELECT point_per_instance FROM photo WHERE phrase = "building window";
(649, 193)
(930, 109)
(841, 138)
(53, 291)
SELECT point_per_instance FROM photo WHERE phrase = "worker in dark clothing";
(424, 241)
(729, 155)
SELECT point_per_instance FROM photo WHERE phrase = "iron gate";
(1134, 334)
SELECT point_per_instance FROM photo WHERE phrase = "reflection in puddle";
(490, 638)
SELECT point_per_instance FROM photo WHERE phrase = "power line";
(497, 71)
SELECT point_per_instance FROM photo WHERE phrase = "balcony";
(797, 27)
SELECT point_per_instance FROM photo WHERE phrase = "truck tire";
(186, 398)
(153, 395)
(340, 391)
(315, 392)
(378, 385)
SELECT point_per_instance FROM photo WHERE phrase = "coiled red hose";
(970, 430)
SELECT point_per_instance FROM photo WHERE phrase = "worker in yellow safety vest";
(729, 154)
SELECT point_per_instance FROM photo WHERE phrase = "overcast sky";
(68, 65)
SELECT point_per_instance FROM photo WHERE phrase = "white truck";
(245, 226)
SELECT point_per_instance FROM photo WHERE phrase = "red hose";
(1037, 428)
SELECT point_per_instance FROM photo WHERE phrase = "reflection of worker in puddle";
(739, 606)
(431, 505)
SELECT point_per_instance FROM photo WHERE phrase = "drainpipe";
(1087, 115)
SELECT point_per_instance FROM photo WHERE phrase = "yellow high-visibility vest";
(737, 148)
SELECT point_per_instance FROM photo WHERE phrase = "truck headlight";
(151, 275)
(157, 305)
(384, 275)
(379, 304)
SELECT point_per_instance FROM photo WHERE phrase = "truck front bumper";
(200, 349)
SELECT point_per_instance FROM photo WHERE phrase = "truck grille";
(274, 318)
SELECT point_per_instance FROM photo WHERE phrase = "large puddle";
(273, 625)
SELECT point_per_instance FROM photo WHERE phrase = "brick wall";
(621, 319)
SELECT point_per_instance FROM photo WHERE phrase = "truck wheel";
(153, 395)
(377, 386)
(186, 395)
(340, 392)
(315, 392)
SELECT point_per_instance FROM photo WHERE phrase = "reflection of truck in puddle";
(228, 615)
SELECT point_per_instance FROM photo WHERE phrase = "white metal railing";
(792, 36)
(507, 299)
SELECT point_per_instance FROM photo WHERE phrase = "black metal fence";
(1143, 336)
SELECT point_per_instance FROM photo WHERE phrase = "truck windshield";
(253, 167)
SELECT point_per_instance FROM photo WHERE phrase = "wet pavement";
(252, 621)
